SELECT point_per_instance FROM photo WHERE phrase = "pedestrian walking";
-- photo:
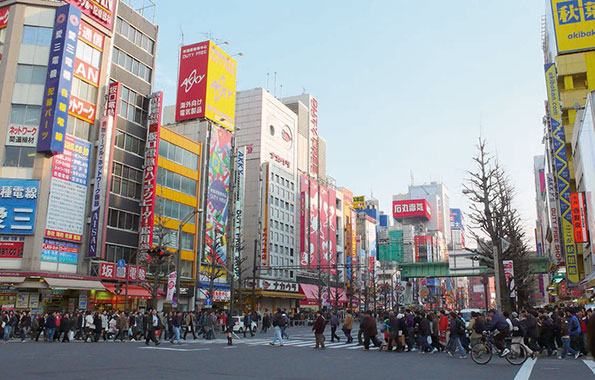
(277, 321)
(176, 324)
(50, 327)
(457, 330)
(153, 324)
(248, 324)
(229, 329)
(318, 328)
(334, 325)
(190, 321)
(348, 326)
(370, 331)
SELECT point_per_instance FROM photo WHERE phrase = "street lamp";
(183, 222)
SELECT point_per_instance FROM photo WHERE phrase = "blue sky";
(402, 86)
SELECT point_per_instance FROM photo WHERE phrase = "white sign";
(280, 286)
(239, 203)
(171, 286)
(21, 135)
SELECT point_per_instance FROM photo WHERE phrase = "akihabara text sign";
(411, 208)
(579, 220)
(56, 94)
(147, 211)
(101, 11)
(206, 84)
(18, 204)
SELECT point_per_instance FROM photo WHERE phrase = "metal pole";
(254, 276)
(497, 276)
(204, 179)
(178, 262)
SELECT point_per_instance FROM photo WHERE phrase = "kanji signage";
(18, 205)
(101, 11)
(411, 208)
(91, 36)
(59, 251)
(81, 109)
(22, 135)
(579, 220)
(11, 249)
(56, 94)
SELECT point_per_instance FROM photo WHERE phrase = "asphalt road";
(253, 358)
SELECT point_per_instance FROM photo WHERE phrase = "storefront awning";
(265, 293)
(134, 291)
(11, 280)
(63, 283)
(311, 293)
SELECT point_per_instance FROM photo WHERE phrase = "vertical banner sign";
(171, 286)
(217, 205)
(4, 13)
(332, 230)
(313, 140)
(579, 221)
(323, 227)
(68, 191)
(240, 180)
(314, 225)
(147, 210)
(508, 266)
(562, 175)
(104, 145)
(304, 260)
(56, 94)
(353, 237)
(556, 246)
(264, 244)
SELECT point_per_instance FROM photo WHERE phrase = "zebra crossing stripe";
(330, 345)
(345, 345)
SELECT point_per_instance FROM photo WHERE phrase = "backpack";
(479, 326)
(460, 328)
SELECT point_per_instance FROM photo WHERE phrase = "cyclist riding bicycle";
(498, 322)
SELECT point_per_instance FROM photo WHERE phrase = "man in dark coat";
(318, 329)
(370, 332)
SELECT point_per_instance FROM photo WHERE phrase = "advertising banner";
(147, 211)
(411, 208)
(574, 25)
(332, 230)
(264, 243)
(11, 249)
(106, 124)
(323, 220)
(359, 202)
(91, 36)
(206, 84)
(102, 11)
(217, 198)
(304, 246)
(556, 246)
(313, 137)
(314, 225)
(562, 174)
(59, 252)
(171, 286)
(508, 266)
(579, 221)
(56, 94)
(81, 109)
(68, 191)
(240, 179)
(21, 135)
(456, 219)
(4, 13)
(18, 205)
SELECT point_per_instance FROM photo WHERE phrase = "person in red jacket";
(318, 329)
(443, 328)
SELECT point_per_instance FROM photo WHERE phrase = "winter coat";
(370, 327)
(348, 323)
(319, 325)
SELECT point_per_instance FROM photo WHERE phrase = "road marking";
(174, 349)
(230, 347)
(334, 344)
(526, 369)
(590, 364)
(346, 345)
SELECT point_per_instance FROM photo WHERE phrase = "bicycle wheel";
(481, 353)
(517, 355)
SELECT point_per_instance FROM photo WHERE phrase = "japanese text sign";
(411, 208)
(18, 205)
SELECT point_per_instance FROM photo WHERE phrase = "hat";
(515, 314)
(399, 316)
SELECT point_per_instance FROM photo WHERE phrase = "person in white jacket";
(89, 326)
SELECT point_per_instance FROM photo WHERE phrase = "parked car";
(238, 326)
(466, 314)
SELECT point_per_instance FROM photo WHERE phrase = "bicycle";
(482, 352)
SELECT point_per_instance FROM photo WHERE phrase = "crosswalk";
(302, 342)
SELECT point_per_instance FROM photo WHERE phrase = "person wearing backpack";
(574, 330)
(477, 326)
(457, 329)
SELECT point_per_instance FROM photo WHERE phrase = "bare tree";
(213, 268)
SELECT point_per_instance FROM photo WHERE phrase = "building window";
(186, 268)
(78, 127)
(178, 154)
(88, 54)
(19, 156)
(37, 35)
(127, 181)
(84, 91)
(31, 74)
(133, 106)
(175, 181)
(113, 253)
(171, 209)
(123, 220)
(25, 114)
(132, 65)
(130, 143)
(134, 36)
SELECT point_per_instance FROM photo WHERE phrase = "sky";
(404, 88)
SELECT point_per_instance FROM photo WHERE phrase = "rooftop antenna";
(275, 85)
(411, 176)
(303, 90)
(182, 34)
(268, 82)
(281, 91)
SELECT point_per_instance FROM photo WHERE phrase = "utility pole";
(182, 223)
(495, 249)
(254, 276)
(204, 179)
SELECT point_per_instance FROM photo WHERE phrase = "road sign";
(121, 263)
(208, 302)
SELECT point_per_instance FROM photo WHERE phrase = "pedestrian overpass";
(441, 269)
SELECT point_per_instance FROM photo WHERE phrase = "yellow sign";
(359, 202)
(221, 87)
(574, 24)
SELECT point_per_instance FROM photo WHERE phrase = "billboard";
(240, 180)
(323, 220)
(102, 166)
(206, 84)
(304, 245)
(423, 248)
(18, 205)
(562, 174)
(411, 208)
(574, 25)
(59, 252)
(456, 219)
(579, 220)
(147, 209)
(4, 13)
(265, 216)
(68, 191)
(56, 94)
(313, 140)
(314, 251)
(102, 11)
(332, 230)
(359, 202)
(217, 195)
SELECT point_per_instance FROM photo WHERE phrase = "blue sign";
(456, 219)
(121, 263)
(383, 220)
(18, 205)
(56, 94)
(208, 302)
(59, 252)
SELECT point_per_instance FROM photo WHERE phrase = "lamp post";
(183, 222)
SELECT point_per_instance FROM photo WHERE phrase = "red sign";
(86, 72)
(101, 11)
(11, 249)
(423, 248)
(107, 270)
(142, 274)
(279, 159)
(132, 272)
(192, 81)
(81, 109)
(4, 13)
(147, 210)
(411, 208)
(92, 36)
(579, 220)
